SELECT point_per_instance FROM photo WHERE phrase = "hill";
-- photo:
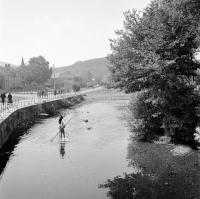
(98, 68)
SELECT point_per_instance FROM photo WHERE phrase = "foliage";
(76, 88)
(87, 70)
(156, 52)
(79, 81)
(2, 80)
(134, 186)
(144, 118)
(59, 83)
(89, 76)
(38, 70)
(156, 173)
(143, 185)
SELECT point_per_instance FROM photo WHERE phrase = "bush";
(144, 117)
(174, 116)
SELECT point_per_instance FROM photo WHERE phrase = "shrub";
(144, 117)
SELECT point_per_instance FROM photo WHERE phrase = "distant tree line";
(68, 81)
(36, 72)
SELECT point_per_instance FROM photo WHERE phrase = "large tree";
(37, 71)
(156, 53)
(40, 69)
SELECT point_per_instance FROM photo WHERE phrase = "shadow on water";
(6, 151)
(158, 174)
(8, 148)
(62, 149)
(14, 139)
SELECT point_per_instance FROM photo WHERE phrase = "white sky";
(63, 31)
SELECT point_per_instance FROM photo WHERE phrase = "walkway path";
(32, 99)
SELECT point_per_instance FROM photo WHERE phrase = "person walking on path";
(60, 118)
(10, 98)
(3, 96)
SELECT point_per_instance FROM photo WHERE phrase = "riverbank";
(160, 169)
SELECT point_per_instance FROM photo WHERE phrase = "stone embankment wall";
(9, 125)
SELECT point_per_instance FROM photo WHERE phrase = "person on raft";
(61, 126)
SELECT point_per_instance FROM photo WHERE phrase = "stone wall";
(9, 125)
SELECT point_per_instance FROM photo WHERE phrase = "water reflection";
(62, 149)
(6, 152)
(157, 174)
(7, 149)
(4, 157)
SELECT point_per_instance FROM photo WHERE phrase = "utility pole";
(54, 81)
(6, 83)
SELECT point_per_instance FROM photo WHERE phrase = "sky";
(63, 31)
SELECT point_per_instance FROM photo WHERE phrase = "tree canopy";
(155, 52)
(37, 70)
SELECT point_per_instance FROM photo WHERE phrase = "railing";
(7, 108)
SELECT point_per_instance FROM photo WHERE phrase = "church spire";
(22, 62)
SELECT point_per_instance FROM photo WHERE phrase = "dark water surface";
(97, 150)
(32, 167)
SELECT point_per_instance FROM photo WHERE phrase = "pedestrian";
(3, 96)
(10, 98)
(60, 118)
(52, 111)
(54, 92)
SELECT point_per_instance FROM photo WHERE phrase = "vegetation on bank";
(155, 54)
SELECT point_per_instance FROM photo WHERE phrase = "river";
(95, 150)
(98, 148)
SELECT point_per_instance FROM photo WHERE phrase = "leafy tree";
(2, 81)
(36, 72)
(40, 69)
(156, 53)
(79, 81)
(76, 88)
(89, 76)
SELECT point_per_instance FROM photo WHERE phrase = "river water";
(97, 149)
(71, 168)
